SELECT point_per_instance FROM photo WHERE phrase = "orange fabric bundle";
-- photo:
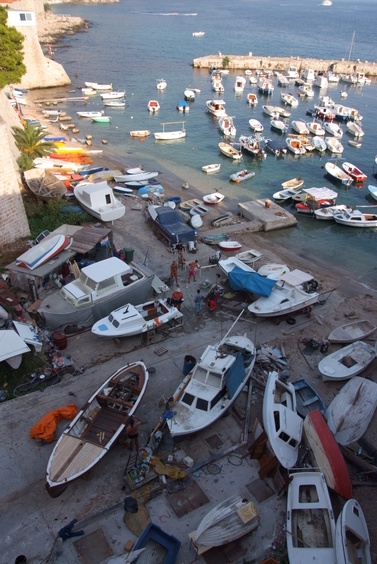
(46, 427)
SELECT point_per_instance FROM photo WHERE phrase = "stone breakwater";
(252, 62)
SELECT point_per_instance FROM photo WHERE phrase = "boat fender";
(325, 346)
(291, 321)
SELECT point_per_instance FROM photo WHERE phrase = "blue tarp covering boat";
(172, 225)
(251, 282)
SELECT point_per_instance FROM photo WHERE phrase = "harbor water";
(132, 44)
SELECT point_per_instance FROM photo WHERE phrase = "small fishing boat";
(319, 144)
(295, 146)
(285, 195)
(230, 246)
(307, 399)
(294, 183)
(354, 172)
(350, 332)
(289, 99)
(153, 106)
(273, 270)
(270, 111)
(213, 385)
(215, 239)
(354, 143)
(140, 133)
(97, 198)
(198, 33)
(114, 95)
(355, 218)
(101, 119)
(352, 536)
(334, 145)
(338, 174)
(96, 427)
(154, 545)
(97, 86)
(211, 168)
(200, 209)
(315, 128)
(44, 185)
(328, 213)
(333, 128)
(230, 151)
(324, 453)
(354, 129)
(294, 291)
(171, 135)
(214, 198)
(230, 520)
(90, 114)
(352, 409)
(241, 175)
(189, 204)
(227, 126)
(114, 103)
(310, 539)
(372, 191)
(130, 320)
(196, 220)
(347, 362)
(281, 422)
(189, 94)
(300, 127)
(279, 126)
(249, 256)
(216, 108)
(252, 99)
(161, 84)
(256, 125)
(252, 146)
(49, 247)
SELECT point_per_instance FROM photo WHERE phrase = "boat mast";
(349, 54)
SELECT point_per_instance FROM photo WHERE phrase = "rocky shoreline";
(57, 26)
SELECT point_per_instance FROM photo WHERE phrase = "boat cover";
(252, 282)
(173, 225)
(46, 427)
(235, 375)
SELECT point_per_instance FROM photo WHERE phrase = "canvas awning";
(251, 282)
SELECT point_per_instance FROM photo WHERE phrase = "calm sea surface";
(133, 43)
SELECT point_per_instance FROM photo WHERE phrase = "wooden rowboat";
(230, 151)
(212, 199)
(294, 183)
(325, 454)
(307, 398)
(211, 168)
(44, 184)
(352, 537)
(230, 245)
(351, 411)
(96, 427)
(140, 133)
(356, 330)
(228, 521)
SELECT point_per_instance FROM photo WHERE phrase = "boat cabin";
(97, 280)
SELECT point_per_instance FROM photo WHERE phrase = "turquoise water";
(131, 44)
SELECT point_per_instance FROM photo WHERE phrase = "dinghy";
(230, 245)
(324, 453)
(213, 385)
(307, 399)
(280, 420)
(214, 198)
(230, 520)
(211, 168)
(347, 362)
(310, 521)
(249, 256)
(45, 185)
(130, 320)
(352, 409)
(44, 251)
(230, 151)
(353, 331)
(96, 427)
(241, 175)
(294, 183)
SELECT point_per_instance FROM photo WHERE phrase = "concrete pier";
(254, 62)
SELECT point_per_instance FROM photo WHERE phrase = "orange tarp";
(46, 427)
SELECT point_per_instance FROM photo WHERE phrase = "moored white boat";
(97, 426)
(351, 411)
(113, 95)
(281, 422)
(295, 146)
(216, 107)
(338, 174)
(372, 191)
(230, 151)
(211, 168)
(153, 106)
(189, 94)
(289, 99)
(347, 362)
(354, 172)
(315, 128)
(328, 213)
(241, 175)
(170, 135)
(252, 99)
(213, 385)
(333, 128)
(355, 218)
(285, 195)
(227, 126)
(252, 145)
(130, 320)
(90, 114)
(270, 111)
(355, 129)
(140, 133)
(255, 125)
(294, 183)
(319, 144)
(230, 520)
(300, 127)
(239, 84)
(114, 103)
(279, 125)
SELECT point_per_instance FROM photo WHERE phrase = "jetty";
(260, 62)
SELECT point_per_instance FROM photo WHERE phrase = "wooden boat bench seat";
(114, 403)
(103, 427)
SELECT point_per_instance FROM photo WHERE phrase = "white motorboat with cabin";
(230, 151)
(213, 385)
(356, 218)
(333, 128)
(161, 84)
(226, 125)
(239, 84)
(300, 127)
(289, 99)
(315, 128)
(97, 198)
(153, 106)
(216, 108)
(255, 125)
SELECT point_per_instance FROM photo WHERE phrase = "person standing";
(132, 433)
(192, 270)
(174, 272)
(198, 302)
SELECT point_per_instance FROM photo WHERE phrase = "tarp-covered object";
(251, 282)
(46, 427)
(171, 223)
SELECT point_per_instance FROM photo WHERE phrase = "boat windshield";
(208, 377)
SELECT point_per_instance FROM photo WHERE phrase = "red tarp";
(46, 427)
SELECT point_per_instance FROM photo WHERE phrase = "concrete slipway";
(30, 519)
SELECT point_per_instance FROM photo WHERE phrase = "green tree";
(11, 54)
(29, 141)
(226, 62)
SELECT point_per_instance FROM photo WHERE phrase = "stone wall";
(13, 220)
